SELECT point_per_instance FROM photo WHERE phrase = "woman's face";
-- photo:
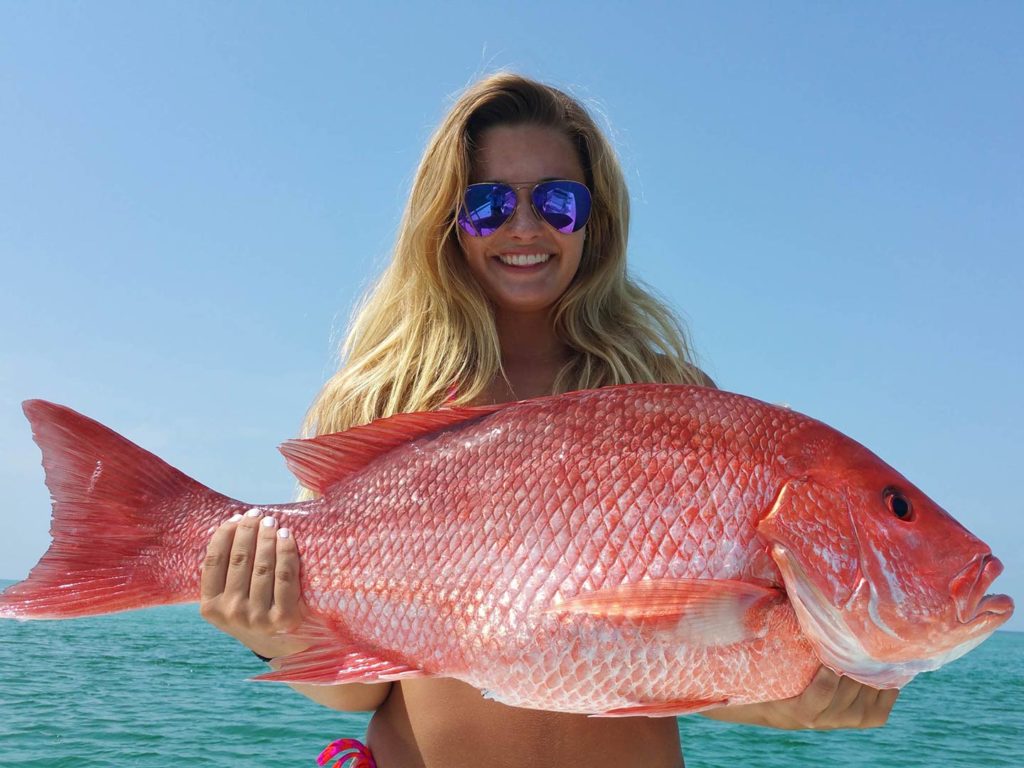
(524, 154)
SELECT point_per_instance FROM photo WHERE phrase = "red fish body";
(646, 549)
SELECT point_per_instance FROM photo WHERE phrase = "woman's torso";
(444, 722)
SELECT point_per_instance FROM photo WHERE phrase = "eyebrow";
(516, 183)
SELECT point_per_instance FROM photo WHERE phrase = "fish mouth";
(968, 590)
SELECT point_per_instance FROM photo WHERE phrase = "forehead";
(515, 153)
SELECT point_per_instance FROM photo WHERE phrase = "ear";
(812, 526)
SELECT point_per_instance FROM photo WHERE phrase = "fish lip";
(994, 605)
(968, 586)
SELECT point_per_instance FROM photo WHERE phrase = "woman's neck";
(531, 354)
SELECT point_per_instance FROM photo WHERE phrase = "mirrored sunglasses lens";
(565, 205)
(486, 207)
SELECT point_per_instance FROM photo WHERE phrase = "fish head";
(884, 582)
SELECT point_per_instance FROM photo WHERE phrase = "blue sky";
(193, 196)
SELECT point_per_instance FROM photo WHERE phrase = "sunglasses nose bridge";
(525, 216)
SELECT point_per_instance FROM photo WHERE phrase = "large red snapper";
(645, 549)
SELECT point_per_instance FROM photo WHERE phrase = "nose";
(525, 223)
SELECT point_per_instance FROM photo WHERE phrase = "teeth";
(523, 259)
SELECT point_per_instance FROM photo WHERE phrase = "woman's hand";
(830, 701)
(250, 589)
(250, 584)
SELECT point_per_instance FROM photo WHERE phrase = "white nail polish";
(268, 522)
(235, 518)
(254, 512)
(284, 533)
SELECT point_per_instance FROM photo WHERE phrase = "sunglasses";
(565, 205)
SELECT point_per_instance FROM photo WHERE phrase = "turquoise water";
(160, 687)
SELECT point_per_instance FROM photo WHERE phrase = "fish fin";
(337, 665)
(114, 515)
(664, 708)
(317, 630)
(334, 658)
(701, 611)
(323, 461)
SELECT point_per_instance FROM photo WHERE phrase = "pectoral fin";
(703, 611)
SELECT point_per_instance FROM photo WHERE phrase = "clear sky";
(193, 195)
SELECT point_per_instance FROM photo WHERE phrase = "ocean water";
(160, 687)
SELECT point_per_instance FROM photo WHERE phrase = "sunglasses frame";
(462, 217)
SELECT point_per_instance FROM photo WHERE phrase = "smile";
(523, 259)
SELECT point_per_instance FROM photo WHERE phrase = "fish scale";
(615, 540)
(643, 549)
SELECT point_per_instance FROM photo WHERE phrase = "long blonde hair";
(426, 325)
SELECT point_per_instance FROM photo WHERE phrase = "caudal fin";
(125, 524)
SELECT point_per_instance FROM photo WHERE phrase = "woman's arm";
(830, 701)
(250, 590)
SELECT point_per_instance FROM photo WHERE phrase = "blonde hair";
(426, 325)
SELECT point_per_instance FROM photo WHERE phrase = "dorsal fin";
(322, 461)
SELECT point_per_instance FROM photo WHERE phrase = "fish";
(640, 549)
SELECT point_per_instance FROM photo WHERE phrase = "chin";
(522, 305)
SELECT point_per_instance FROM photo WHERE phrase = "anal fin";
(337, 665)
(335, 658)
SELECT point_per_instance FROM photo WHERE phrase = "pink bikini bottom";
(351, 753)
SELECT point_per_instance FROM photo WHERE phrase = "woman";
(503, 286)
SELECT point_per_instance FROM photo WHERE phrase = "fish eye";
(898, 504)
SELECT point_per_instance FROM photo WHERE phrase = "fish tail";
(122, 520)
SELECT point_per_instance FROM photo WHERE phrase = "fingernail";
(268, 522)
(284, 533)
(254, 512)
(235, 518)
